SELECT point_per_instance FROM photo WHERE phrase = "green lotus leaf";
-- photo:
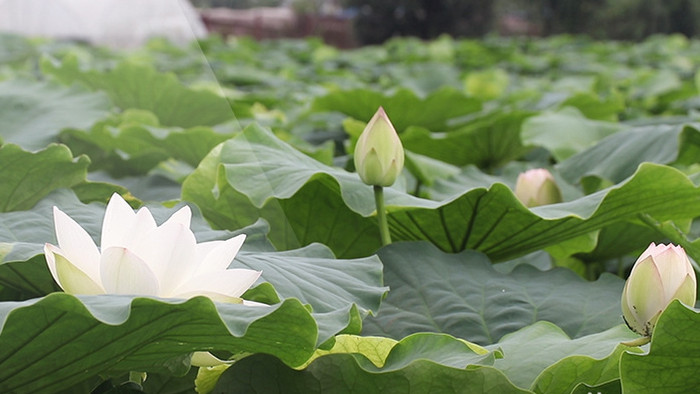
(419, 363)
(131, 85)
(26, 177)
(670, 362)
(60, 340)
(463, 295)
(339, 292)
(403, 107)
(33, 113)
(305, 201)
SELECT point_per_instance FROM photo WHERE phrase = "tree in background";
(619, 19)
(378, 21)
(568, 16)
(636, 19)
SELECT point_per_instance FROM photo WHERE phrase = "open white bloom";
(138, 257)
(661, 274)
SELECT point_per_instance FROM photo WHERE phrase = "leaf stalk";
(381, 216)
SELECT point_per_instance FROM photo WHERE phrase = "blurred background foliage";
(378, 21)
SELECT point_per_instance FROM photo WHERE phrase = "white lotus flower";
(140, 258)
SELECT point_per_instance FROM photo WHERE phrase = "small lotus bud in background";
(537, 187)
(379, 154)
(487, 85)
(661, 274)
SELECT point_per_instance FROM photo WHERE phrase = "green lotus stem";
(416, 190)
(381, 215)
(676, 235)
(593, 270)
(621, 268)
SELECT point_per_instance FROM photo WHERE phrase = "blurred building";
(114, 23)
(325, 19)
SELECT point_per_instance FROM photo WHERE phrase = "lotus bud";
(537, 187)
(379, 153)
(661, 274)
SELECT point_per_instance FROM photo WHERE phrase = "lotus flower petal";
(227, 284)
(253, 303)
(169, 251)
(686, 292)
(673, 268)
(652, 250)
(629, 314)
(117, 223)
(183, 216)
(123, 272)
(76, 244)
(374, 171)
(219, 256)
(645, 301)
(142, 225)
(71, 278)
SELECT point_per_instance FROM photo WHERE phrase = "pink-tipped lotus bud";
(661, 274)
(537, 187)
